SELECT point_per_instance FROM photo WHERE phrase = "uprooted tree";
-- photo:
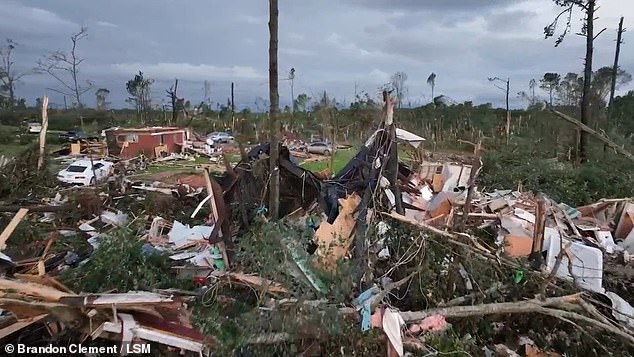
(64, 67)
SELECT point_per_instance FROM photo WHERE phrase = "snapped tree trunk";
(582, 154)
(40, 160)
(174, 98)
(615, 70)
(274, 186)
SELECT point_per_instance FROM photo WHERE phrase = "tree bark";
(582, 154)
(274, 186)
(40, 160)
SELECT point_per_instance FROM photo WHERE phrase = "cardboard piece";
(75, 148)
(518, 246)
(437, 182)
(334, 239)
(440, 205)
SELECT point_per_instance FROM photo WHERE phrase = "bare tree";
(173, 96)
(506, 89)
(588, 7)
(8, 76)
(431, 80)
(274, 191)
(398, 84)
(64, 68)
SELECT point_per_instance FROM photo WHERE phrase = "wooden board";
(11, 227)
(19, 325)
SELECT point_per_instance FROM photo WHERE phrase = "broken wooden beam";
(6, 233)
(254, 280)
(538, 231)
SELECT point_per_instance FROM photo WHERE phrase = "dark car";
(75, 135)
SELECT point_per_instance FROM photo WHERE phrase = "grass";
(12, 150)
(16, 140)
(342, 157)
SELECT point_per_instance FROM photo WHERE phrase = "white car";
(216, 138)
(83, 172)
(34, 128)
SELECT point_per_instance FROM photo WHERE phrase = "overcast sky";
(334, 45)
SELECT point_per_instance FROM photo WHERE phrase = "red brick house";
(152, 142)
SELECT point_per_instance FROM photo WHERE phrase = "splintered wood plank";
(20, 324)
(11, 227)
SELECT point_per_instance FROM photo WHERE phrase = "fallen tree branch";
(453, 238)
(535, 305)
(489, 309)
(376, 300)
(593, 132)
(462, 299)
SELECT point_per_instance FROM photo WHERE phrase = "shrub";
(610, 177)
(120, 263)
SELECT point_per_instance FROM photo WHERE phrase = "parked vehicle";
(34, 128)
(319, 148)
(84, 172)
(219, 137)
(75, 135)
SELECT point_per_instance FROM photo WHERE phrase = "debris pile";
(385, 256)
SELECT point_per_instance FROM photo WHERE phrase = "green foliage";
(7, 136)
(20, 177)
(120, 263)
(623, 114)
(342, 157)
(610, 177)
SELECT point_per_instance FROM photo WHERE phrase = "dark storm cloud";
(334, 45)
(431, 5)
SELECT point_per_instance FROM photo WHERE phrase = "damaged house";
(152, 142)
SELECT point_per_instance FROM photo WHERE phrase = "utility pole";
(506, 89)
(274, 185)
(615, 69)
(233, 112)
(291, 77)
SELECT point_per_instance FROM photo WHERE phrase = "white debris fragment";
(116, 219)
(182, 235)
